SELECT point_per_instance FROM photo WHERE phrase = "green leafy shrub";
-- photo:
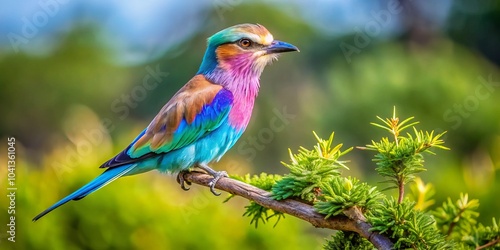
(315, 179)
(342, 193)
(310, 168)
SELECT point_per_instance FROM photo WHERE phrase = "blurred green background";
(78, 82)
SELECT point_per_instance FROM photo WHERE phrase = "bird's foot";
(216, 178)
(216, 174)
(182, 181)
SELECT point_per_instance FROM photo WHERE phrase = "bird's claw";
(214, 181)
(216, 174)
(182, 181)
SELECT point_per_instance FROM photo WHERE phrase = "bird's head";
(242, 48)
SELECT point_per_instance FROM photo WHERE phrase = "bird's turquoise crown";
(256, 33)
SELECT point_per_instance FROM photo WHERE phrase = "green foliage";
(399, 160)
(263, 181)
(347, 241)
(253, 210)
(407, 227)
(422, 194)
(341, 193)
(456, 220)
(310, 168)
(484, 235)
(260, 213)
(315, 177)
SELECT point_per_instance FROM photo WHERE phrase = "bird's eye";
(245, 43)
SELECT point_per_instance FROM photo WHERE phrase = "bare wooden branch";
(355, 222)
(489, 244)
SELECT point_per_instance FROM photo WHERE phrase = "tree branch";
(401, 187)
(354, 222)
(489, 244)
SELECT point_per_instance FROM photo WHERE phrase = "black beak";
(280, 47)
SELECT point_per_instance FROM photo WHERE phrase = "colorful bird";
(205, 118)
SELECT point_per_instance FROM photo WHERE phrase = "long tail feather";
(100, 181)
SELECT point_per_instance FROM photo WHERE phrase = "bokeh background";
(79, 79)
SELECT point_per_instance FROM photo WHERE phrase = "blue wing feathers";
(123, 158)
(210, 118)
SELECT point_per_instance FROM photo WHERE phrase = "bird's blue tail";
(100, 181)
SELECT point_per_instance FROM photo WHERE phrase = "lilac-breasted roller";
(205, 118)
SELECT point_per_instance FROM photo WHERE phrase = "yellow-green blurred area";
(80, 88)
